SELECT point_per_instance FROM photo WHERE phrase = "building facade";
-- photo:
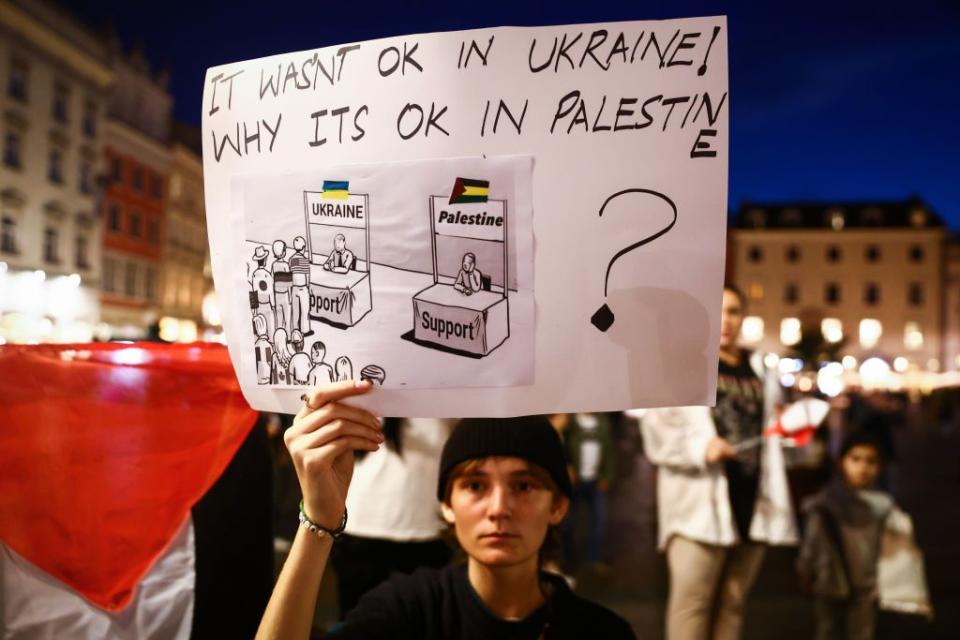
(184, 282)
(870, 276)
(137, 160)
(54, 83)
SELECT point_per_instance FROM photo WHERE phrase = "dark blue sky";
(829, 100)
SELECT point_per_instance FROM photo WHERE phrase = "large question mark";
(603, 317)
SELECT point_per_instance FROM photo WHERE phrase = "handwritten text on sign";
(576, 112)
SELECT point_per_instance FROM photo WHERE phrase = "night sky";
(829, 100)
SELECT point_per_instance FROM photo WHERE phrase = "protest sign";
(493, 222)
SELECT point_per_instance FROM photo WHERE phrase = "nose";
(499, 505)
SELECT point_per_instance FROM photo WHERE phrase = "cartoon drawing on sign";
(603, 317)
(282, 284)
(300, 363)
(339, 277)
(374, 373)
(281, 358)
(469, 280)
(321, 372)
(261, 294)
(300, 293)
(455, 260)
(467, 314)
(341, 259)
(343, 369)
(263, 350)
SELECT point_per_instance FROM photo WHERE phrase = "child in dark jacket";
(840, 551)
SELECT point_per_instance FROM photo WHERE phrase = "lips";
(499, 536)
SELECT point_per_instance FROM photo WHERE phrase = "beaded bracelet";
(313, 527)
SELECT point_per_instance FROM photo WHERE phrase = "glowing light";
(912, 336)
(874, 372)
(900, 364)
(832, 329)
(805, 384)
(790, 365)
(771, 360)
(933, 365)
(790, 331)
(788, 379)
(169, 329)
(830, 379)
(3, 267)
(74, 279)
(131, 356)
(210, 309)
(870, 332)
(752, 329)
(40, 275)
(849, 363)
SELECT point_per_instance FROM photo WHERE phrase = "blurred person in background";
(395, 524)
(592, 458)
(842, 541)
(722, 490)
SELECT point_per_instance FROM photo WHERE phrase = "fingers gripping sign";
(321, 441)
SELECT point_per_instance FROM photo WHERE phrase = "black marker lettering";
(403, 112)
(624, 112)
(619, 46)
(317, 140)
(356, 123)
(703, 67)
(701, 149)
(564, 47)
(562, 112)
(503, 108)
(339, 112)
(672, 102)
(538, 69)
(342, 52)
(273, 84)
(683, 44)
(597, 38)
(598, 127)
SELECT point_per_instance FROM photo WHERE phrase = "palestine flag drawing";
(469, 190)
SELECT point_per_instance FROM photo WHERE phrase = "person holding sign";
(468, 280)
(341, 259)
(502, 486)
(722, 491)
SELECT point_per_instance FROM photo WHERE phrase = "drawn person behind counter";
(341, 259)
(468, 280)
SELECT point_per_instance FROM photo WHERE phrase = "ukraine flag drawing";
(469, 190)
(336, 190)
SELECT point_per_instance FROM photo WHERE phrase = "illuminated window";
(837, 220)
(912, 336)
(752, 329)
(832, 329)
(790, 331)
(755, 291)
(870, 332)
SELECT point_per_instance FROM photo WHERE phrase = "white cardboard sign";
(494, 222)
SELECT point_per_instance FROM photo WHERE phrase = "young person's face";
(501, 511)
(731, 317)
(860, 466)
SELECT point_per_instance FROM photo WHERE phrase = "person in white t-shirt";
(395, 523)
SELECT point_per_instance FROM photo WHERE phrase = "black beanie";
(531, 438)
